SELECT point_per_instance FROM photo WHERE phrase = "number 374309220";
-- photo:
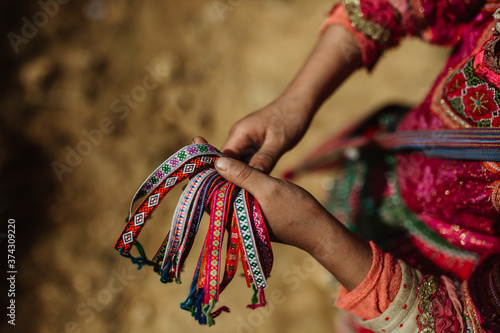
(11, 246)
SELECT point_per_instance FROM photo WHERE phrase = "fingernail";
(258, 167)
(222, 163)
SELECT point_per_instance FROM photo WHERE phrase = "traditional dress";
(439, 217)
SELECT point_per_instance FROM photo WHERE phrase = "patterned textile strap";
(244, 262)
(167, 176)
(187, 243)
(476, 144)
(262, 239)
(233, 247)
(230, 208)
(482, 144)
(244, 218)
(182, 213)
(182, 219)
(221, 209)
(173, 163)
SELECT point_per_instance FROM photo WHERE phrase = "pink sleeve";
(383, 23)
(397, 298)
(374, 295)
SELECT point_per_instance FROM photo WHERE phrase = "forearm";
(335, 57)
(341, 252)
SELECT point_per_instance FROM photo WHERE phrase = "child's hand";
(291, 212)
(264, 136)
(295, 217)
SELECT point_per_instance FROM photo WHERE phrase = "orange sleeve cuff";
(369, 50)
(377, 291)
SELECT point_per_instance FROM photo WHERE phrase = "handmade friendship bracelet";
(231, 209)
(248, 239)
(173, 171)
(233, 247)
(200, 201)
(179, 221)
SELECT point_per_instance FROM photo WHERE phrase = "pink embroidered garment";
(451, 208)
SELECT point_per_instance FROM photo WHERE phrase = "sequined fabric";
(458, 199)
(439, 216)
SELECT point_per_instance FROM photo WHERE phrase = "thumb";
(240, 174)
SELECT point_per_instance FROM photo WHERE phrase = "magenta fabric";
(459, 200)
(452, 197)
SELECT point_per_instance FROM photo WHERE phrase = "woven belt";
(477, 144)
(473, 144)
(231, 209)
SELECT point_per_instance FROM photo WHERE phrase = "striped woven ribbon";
(480, 144)
(474, 144)
(231, 209)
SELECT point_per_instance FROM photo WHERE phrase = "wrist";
(326, 68)
(297, 102)
(342, 253)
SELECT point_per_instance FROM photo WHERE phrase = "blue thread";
(187, 304)
(164, 278)
(198, 314)
(139, 261)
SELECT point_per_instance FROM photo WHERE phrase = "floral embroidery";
(474, 99)
(479, 103)
(455, 85)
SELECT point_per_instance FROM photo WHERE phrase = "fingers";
(263, 160)
(234, 145)
(267, 156)
(260, 157)
(199, 139)
(241, 174)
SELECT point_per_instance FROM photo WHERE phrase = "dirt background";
(219, 60)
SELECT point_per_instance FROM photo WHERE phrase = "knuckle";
(266, 158)
(275, 188)
(275, 191)
(244, 173)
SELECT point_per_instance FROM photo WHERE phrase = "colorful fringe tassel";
(231, 209)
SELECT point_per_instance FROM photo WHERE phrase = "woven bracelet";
(231, 209)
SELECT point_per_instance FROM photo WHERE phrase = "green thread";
(140, 249)
(255, 299)
(207, 308)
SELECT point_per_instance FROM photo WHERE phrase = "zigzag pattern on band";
(231, 209)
